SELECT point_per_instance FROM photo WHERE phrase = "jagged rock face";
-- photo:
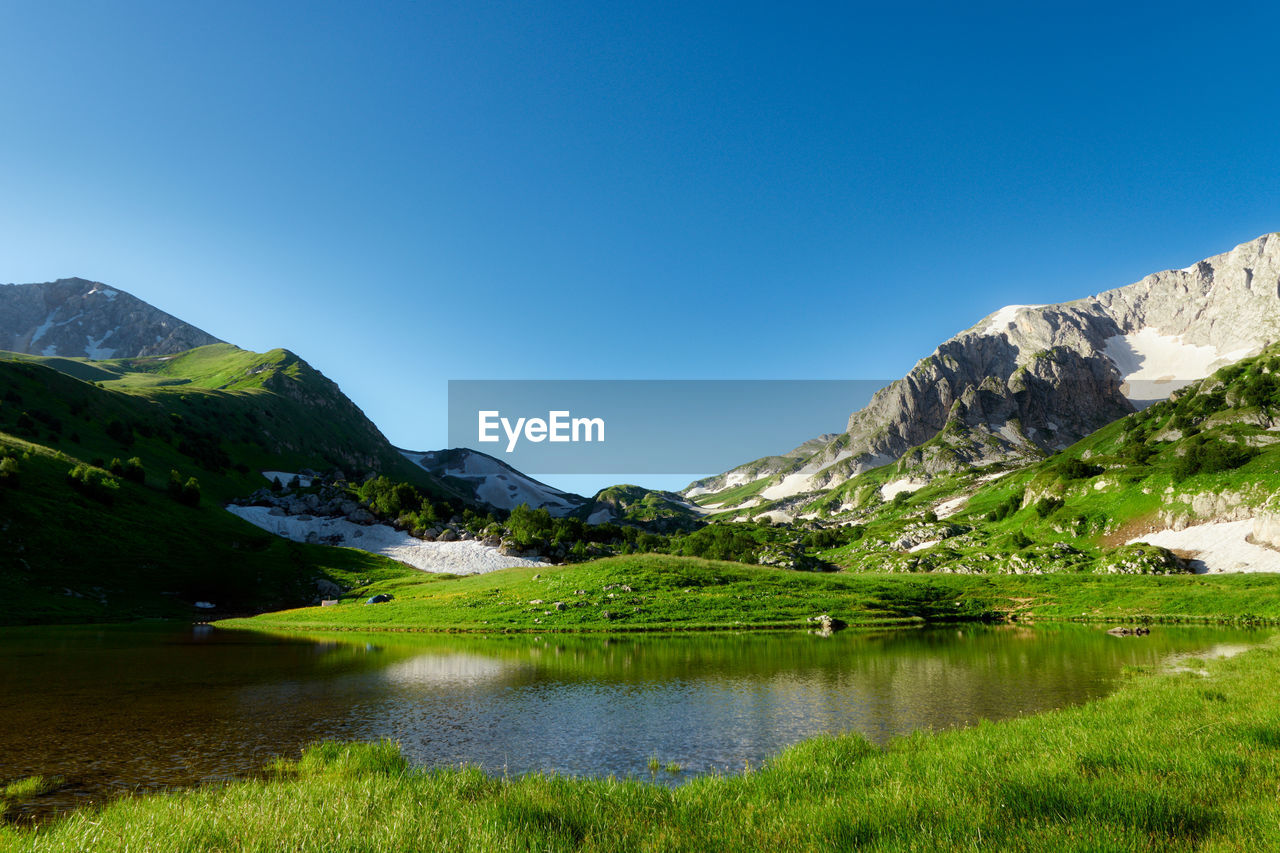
(1029, 380)
(75, 318)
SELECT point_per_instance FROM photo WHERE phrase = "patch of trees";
(186, 493)
(1046, 507)
(718, 542)
(131, 470)
(1202, 456)
(831, 537)
(9, 470)
(94, 482)
(1008, 507)
(1078, 469)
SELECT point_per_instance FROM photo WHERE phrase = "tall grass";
(1171, 761)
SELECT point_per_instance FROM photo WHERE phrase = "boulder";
(1266, 529)
(381, 598)
(327, 588)
(1129, 631)
(448, 535)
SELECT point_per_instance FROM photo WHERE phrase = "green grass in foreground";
(686, 593)
(1173, 761)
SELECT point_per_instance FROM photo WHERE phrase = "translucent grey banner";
(644, 426)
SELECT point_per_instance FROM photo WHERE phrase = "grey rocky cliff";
(1030, 380)
(76, 318)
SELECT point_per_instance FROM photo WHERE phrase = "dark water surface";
(125, 708)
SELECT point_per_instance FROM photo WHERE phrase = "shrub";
(134, 472)
(186, 493)
(93, 482)
(1210, 457)
(1011, 505)
(1078, 469)
(9, 471)
(1046, 507)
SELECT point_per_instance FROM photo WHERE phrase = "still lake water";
(125, 708)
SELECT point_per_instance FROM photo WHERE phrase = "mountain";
(75, 318)
(85, 539)
(1029, 380)
(1187, 484)
(493, 482)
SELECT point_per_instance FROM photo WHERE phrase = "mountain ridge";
(79, 318)
(1026, 381)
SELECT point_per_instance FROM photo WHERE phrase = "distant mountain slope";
(1030, 380)
(1198, 474)
(494, 482)
(86, 319)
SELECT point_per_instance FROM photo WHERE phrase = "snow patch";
(1218, 546)
(459, 558)
(776, 515)
(888, 490)
(285, 477)
(923, 545)
(794, 484)
(1000, 321)
(95, 350)
(948, 508)
(500, 485)
(600, 516)
(1162, 363)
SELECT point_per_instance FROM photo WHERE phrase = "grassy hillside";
(653, 592)
(115, 546)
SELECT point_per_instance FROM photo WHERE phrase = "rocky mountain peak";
(1031, 379)
(77, 318)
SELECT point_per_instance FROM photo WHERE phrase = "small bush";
(1046, 507)
(9, 469)
(93, 482)
(1078, 469)
(134, 472)
(187, 493)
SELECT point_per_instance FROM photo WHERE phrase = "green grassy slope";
(653, 592)
(1172, 761)
(218, 414)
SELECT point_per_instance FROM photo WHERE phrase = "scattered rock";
(326, 587)
(826, 624)
(1129, 631)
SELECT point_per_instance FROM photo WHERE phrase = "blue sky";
(407, 193)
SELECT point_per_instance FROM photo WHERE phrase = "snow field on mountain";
(1222, 546)
(459, 558)
(1148, 356)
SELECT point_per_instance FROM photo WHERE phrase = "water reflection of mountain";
(122, 709)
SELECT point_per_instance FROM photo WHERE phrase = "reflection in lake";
(118, 709)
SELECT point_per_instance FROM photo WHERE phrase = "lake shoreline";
(1170, 759)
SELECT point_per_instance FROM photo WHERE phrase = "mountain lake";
(122, 709)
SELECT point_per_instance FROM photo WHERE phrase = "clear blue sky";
(405, 193)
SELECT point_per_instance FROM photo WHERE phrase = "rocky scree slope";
(1030, 380)
(75, 318)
